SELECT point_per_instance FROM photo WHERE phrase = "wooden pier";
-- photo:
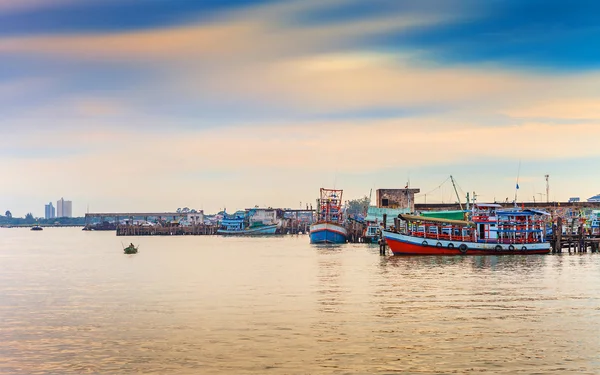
(575, 239)
(173, 230)
(355, 231)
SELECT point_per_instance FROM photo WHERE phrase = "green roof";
(451, 215)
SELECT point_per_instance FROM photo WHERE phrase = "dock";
(575, 238)
(170, 230)
(167, 223)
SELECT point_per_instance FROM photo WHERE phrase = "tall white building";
(50, 213)
(64, 208)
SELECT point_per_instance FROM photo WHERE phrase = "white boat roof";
(488, 205)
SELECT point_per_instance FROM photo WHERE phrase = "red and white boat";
(489, 231)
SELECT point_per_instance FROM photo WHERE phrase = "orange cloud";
(564, 108)
(427, 141)
(253, 54)
(294, 157)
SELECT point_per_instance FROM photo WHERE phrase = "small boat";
(131, 249)
(329, 228)
(488, 231)
(36, 227)
(372, 233)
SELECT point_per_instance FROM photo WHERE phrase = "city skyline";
(64, 208)
(241, 103)
(49, 211)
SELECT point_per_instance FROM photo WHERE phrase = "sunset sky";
(131, 105)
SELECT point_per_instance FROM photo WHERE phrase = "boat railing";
(438, 236)
(510, 234)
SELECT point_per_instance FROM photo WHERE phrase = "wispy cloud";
(561, 109)
(267, 158)
(255, 58)
(12, 6)
(251, 94)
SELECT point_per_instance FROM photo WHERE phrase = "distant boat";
(36, 227)
(329, 227)
(240, 225)
(131, 249)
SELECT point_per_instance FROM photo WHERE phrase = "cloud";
(238, 38)
(252, 58)
(247, 57)
(12, 6)
(426, 141)
(560, 109)
(134, 108)
(24, 86)
(285, 159)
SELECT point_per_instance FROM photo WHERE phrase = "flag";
(517, 185)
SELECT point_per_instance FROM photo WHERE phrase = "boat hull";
(330, 233)
(402, 244)
(261, 231)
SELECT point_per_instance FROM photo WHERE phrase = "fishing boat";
(489, 230)
(329, 228)
(131, 249)
(36, 227)
(372, 233)
(242, 225)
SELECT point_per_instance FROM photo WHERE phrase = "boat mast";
(455, 191)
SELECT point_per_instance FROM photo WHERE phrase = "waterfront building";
(64, 208)
(595, 198)
(195, 218)
(50, 212)
(266, 216)
(397, 198)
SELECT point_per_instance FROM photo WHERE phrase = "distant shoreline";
(40, 225)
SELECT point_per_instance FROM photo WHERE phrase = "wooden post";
(559, 235)
(381, 245)
(582, 248)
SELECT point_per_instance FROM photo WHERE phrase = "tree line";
(29, 219)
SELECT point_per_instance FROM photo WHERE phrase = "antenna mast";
(457, 196)
(547, 188)
(517, 186)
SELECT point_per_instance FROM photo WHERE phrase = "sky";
(129, 105)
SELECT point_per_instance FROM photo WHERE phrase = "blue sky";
(189, 101)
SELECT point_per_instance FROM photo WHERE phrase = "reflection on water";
(72, 303)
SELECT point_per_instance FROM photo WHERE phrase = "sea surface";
(72, 303)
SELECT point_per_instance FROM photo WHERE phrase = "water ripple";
(71, 303)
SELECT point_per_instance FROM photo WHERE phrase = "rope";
(434, 189)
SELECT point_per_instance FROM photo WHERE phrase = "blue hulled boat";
(329, 226)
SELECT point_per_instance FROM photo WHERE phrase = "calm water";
(72, 303)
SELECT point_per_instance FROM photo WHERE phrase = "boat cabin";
(488, 224)
(526, 226)
(485, 217)
(372, 230)
(330, 206)
(235, 224)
